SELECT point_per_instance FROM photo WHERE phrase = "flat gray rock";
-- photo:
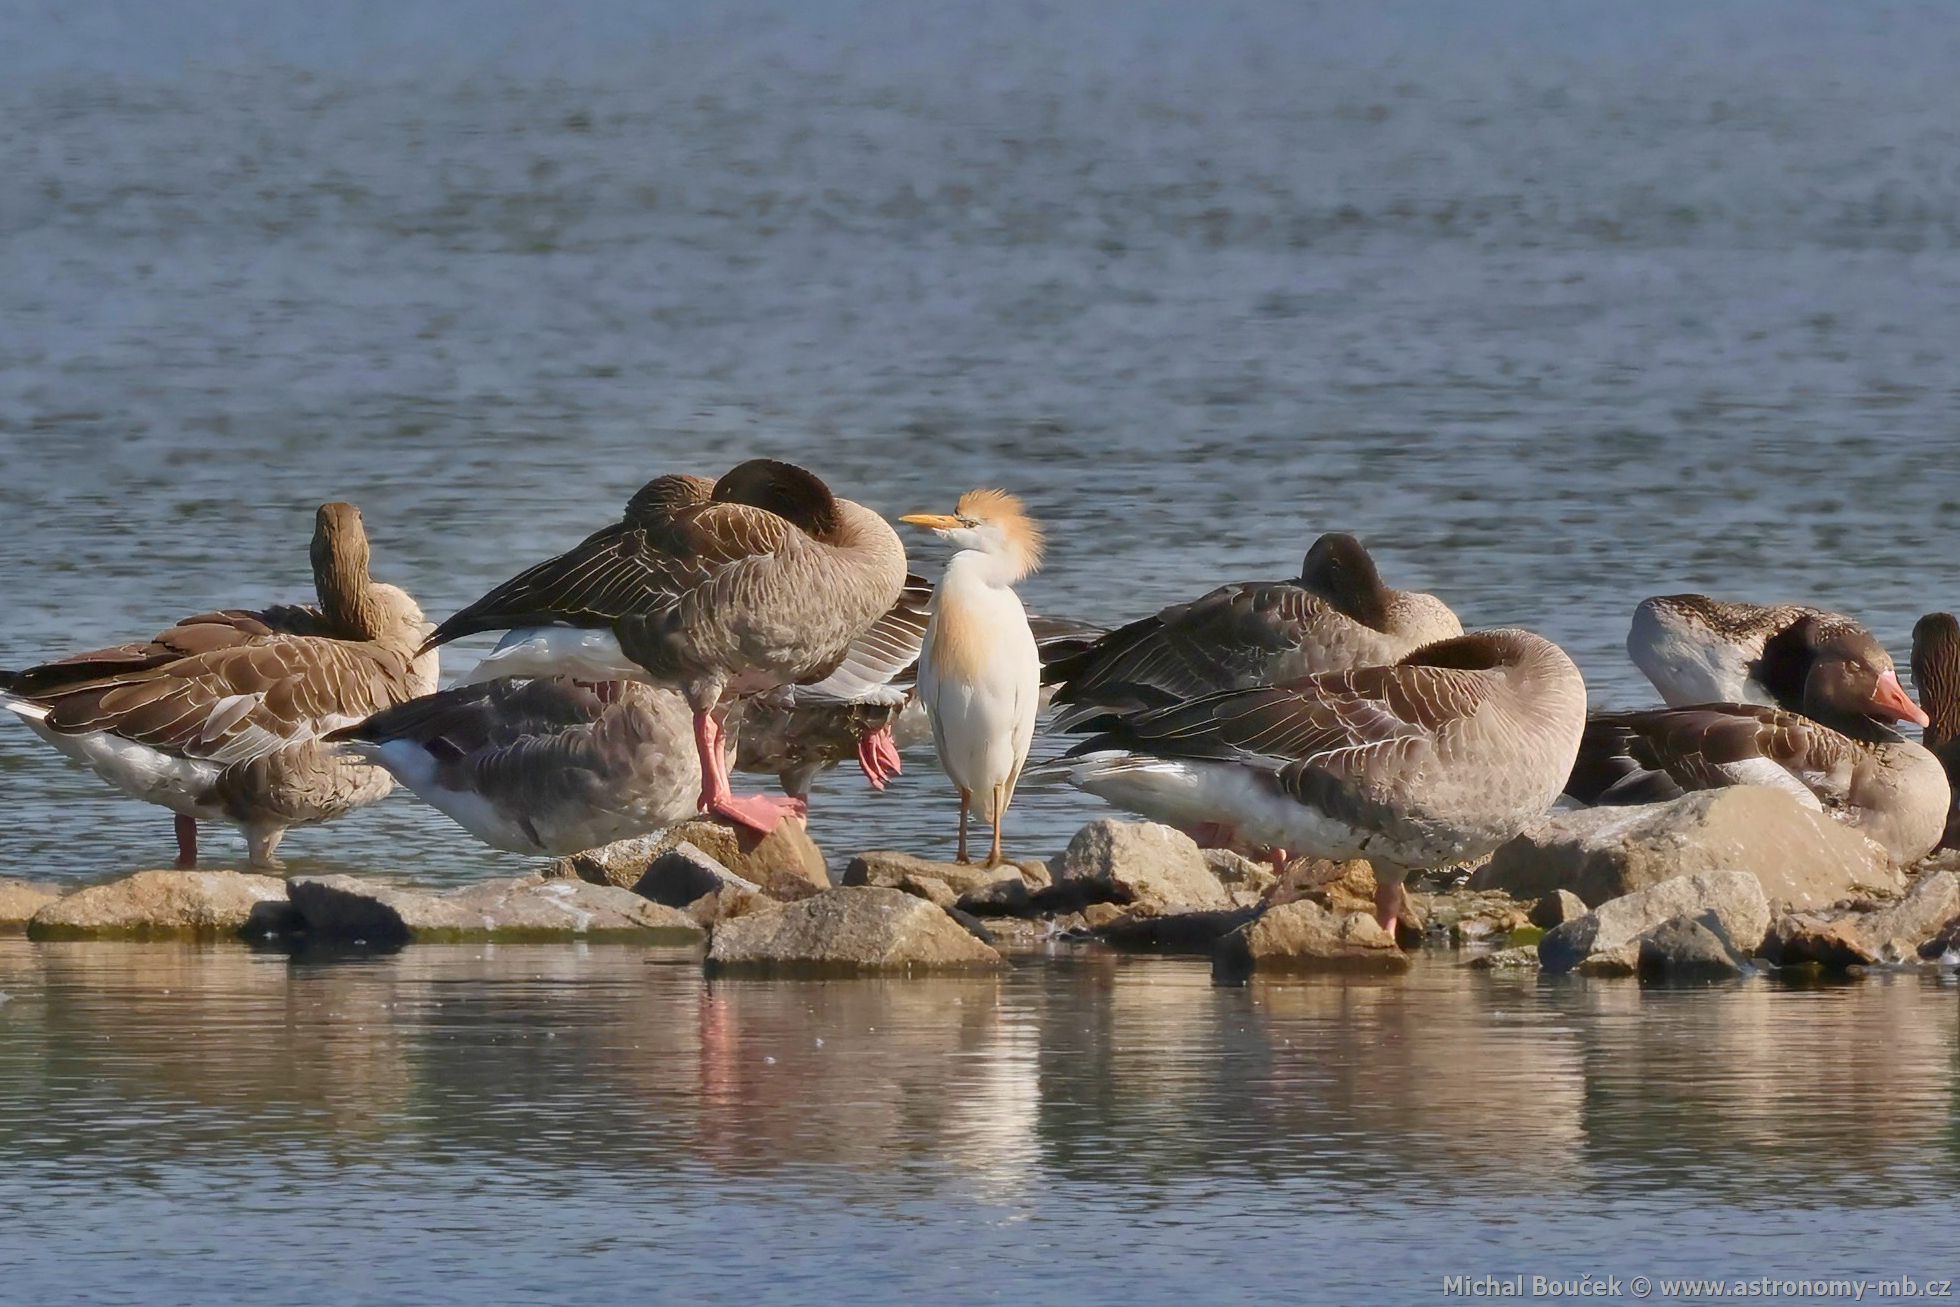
(849, 930)
(160, 904)
(891, 869)
(21, 899)
(682, 874)
(1803, 859)
(1607, 939)
(527, 908)
(1302, 936)
(1150, 868)
(1689, 949)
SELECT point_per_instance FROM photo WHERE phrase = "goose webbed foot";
(877, 755)
(758, 812)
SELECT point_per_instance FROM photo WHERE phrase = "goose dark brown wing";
(1222, 640)
(201, 634)
(235, 703)
(1647, 757)
(643, 573)
(1332, 742)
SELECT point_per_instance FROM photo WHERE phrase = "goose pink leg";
(718, 799)
(186, 843)
(877, 755)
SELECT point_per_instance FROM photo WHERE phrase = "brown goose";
(1429, 761)
(555, 765)
(759, 580)
(1840, 754)
(1335, 616)
(221, 717)
(1936, 675)
(1700, 650)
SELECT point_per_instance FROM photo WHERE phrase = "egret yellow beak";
(931, 521)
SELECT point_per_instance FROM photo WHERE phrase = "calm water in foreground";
(1559, 305)
(601, 1124)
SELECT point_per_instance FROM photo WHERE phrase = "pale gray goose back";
(547, 766)
(1695, 649)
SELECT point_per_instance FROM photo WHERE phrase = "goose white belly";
(1190, 792)
(183, 785)
(1688, 664)
(583, 653)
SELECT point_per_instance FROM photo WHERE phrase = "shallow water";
(452, 1123)
(1557, 312)
(1559, 306)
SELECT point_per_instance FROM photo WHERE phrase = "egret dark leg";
(966, 802)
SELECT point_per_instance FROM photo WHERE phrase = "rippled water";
(1559, 306)
(461, 1125)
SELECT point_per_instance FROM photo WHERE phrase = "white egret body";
(979, 670)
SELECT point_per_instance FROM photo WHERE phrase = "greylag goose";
(548, 766)
(1699, 650)
(979, 669)
(1839, 754)
(1337, 615)
(759, 580)
(1434, 759)
(221, 717)
(1936, 675)
(555, 765)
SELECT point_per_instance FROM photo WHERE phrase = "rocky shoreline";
(1713, 886)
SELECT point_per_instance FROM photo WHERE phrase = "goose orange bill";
(1891, 700)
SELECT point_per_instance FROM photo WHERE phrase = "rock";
(682, 874)
(1006, 897)
(1340, 887)
(848, 930)
(1507, 959)
(1826, 939)
(517, 908)
(1302, 936)
(1147, 867)
(621, 863)
(1928, 908)
(1247, 881)
(786, 863)
(726, 904)
(888, 869)
(1912, 926)
(21, 899)
(1097, 915)
(1557, 908)
(156, 904)
(1186, 932)
(934, 890)
(1689, 948)
(1612, 931)
(1802, 858)
(1470, 916)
